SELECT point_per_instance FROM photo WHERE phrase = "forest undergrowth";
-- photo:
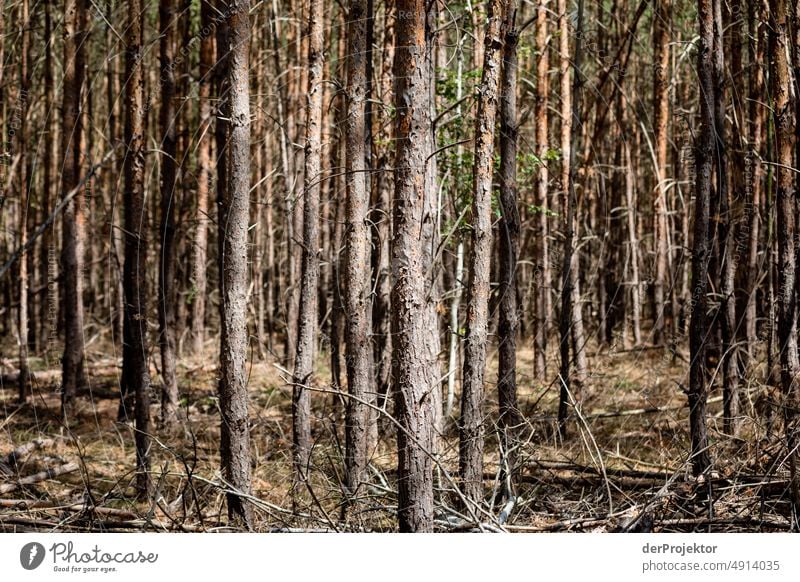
(622, 466)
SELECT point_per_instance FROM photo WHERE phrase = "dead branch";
(40, 476)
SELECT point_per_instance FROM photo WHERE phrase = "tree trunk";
(471, 433)
(204, 179)
(47, 250)
(701, 253)
(543, 301)
(415, 374)
(233, 195)
(166, 260)
(510, 420)
(73, 226)
(753, 172)
(135, 368)
(662, 17)
(23, 99)
(382, 220)
(307, 315)
(784, 122)
(358, 288)
(571, 325)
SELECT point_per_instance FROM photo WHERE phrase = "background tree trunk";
(204, 179)
(73, 227)
(135, 367)
(166, 262)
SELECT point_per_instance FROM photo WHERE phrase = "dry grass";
(618, 469)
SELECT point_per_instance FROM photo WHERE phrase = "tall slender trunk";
(307, 315)
(204, 180)
(544, 281)
(662, 18)
(233, 195)
(701, 253)
(471, 433)
(23, 142)
(571, 325)
(784, 123)
(358, 288)
(47, 248)
(414, 374)
(753, 171)
(75, 12)
(381, 219)
(510, 421)
(166, 259)
(726, 241)
(135, 368)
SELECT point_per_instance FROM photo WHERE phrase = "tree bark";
(166, 260)
(135, 369)
(510, 421)
(233, 195)
(544, 304)
(415, 375)
(358, 289)
(784, 123)
(307, 314)
(571, 325)
(204, 180)
(701, 252)
(381, 219)
(23, 98)
(471, 434)
(73, 226)
(662, 18)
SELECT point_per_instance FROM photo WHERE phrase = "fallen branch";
(12, 458)
(33, 505)
(40, 476)
(733, 521)
(96, 525)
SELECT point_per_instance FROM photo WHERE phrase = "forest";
(411, 265)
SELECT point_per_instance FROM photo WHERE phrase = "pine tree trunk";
(234, 211)
(23, 99)
(166, 259)
(415, 376)
(204, 179)
(135, 368)
(471, 435)
(755, 49)
(307, 315)
(358, 287)
(571, 325)
(544, 281)
(662, 19)
(73, 226)
(784, 122)
(510, 421)
(382, 221)
(701, 252)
